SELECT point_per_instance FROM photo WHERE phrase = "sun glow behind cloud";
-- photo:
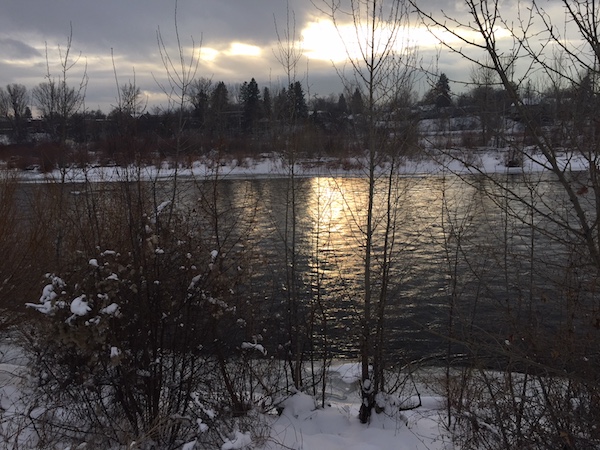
(241, 49)
(323, 40)
(208, 54)
(212, 55)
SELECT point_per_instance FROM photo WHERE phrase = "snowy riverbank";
(453, 161)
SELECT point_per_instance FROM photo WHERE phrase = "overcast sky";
(238, 39)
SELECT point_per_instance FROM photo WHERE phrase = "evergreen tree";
(585, 97)
(251, 103)
(442, 88)
(297, 102)
(219, 99)
(267, 103)
(356, 103)
(439, 95)
(342, 107)
(281, 105)
(219, 106)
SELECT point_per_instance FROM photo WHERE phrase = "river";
(467, 258)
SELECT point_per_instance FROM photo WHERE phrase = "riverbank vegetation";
(161, 320)
(550, 402)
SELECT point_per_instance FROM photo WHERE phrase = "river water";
(468, 259)
(476, 259)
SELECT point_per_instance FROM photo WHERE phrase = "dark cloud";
(131, 25)
(14, 49)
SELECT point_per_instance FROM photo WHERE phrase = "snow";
(162, 206)
(486, 160)
(240, 441)
(202, 427)
(79, 306)
(194, 282)
(257, 347)
(44, 308)
(48, 293)
(299, 405)
(111, 310)
(189, 445)
(46, 303)
(197, 399)
(348, 373)
(303, 425)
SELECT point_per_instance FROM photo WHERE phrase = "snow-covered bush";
(135, 342)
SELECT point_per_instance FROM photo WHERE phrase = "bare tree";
(3, 103)
(488, 101)
(55, 98)
(125, 118)
(180, 73)
(14, 104)
(131, 99)
(288, 53)
(381, 60)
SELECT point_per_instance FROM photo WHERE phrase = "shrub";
(137, 339)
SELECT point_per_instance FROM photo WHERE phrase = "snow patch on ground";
(304, 425)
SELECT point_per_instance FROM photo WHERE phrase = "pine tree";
(342, 106)
(442, 89)
(251, 103)
(200, 92)
(267, 103)
(356, 103)
(219, 105)
(297, 102)
(280, 105)
(439, 95)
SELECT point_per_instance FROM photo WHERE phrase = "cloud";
(236, 41)
(14, 50)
